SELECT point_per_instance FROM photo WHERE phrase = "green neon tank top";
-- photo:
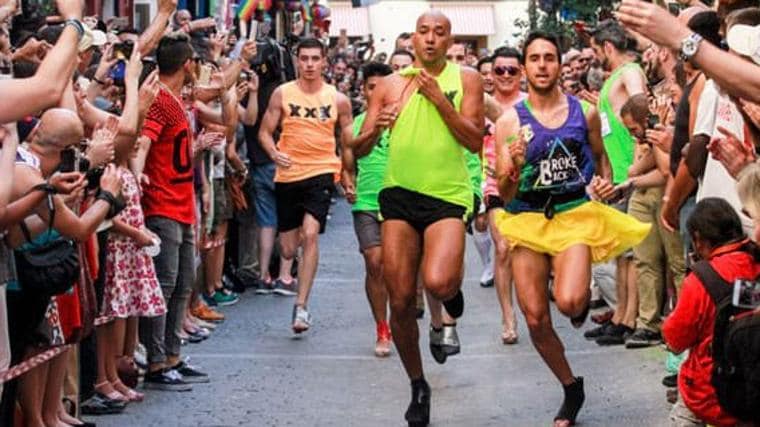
(618, 142)
(424, 156)
(370, 171)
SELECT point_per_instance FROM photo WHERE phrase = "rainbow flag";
(306, 10)
(248, 7)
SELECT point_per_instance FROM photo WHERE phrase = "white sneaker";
(487, 275)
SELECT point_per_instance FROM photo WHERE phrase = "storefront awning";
(355, 20)
(469, 20)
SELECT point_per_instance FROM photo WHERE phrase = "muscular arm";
(634, 82)
(22, 97)
(345, 120)
(152, 35)
(601, 160)
(507, 129)
(137, 164)
(348, 172)
(249, 115)
(370, 132)
(66, 222)
(269, 123)
(492, 108)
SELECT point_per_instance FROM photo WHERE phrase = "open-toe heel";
(574, 397)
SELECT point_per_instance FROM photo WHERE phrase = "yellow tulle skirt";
(605, 230)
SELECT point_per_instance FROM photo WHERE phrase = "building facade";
(483, 24)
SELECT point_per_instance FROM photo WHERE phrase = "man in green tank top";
(610, 43)
(437, 108)
(362, 178)
(626, 79)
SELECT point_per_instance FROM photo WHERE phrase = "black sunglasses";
(500, 70)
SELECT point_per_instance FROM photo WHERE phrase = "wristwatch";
(689, 46)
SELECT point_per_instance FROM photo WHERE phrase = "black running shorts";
(295, 199)
(417, 209)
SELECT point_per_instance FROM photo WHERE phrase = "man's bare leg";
(572, 294)
(502, 278)
(307, 267)
(401, 248)
(531, 274)
(377, 296)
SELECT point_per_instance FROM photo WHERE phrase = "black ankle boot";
(574, 397)
(418, 413)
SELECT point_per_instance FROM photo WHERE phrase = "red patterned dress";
(131, 286)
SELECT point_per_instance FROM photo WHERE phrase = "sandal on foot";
(574, 397)
(509, 334)
(112, 395)
(128, 392)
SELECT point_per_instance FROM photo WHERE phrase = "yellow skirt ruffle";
(605, 230)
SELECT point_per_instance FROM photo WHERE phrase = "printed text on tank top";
(558, 161)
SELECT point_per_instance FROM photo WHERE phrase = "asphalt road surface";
(262, 376)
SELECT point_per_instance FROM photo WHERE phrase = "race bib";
(606, 129)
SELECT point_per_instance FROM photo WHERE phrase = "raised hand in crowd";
(110, 181)
(752, 110)
(33, 50)
(134, 66)
(592, 97)
(660, 137)
(67, 182)
(731, 152)
(45, 89)
(208, 141)
(101, 147)
(148, 92)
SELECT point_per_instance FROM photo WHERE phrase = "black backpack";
(735, 349)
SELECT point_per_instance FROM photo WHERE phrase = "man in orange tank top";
(307, 110)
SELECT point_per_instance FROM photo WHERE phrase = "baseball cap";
(92, 38)
(745, 40)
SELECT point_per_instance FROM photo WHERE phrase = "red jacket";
(690, 327)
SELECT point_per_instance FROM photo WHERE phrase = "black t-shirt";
(274, 66)
(681, 128)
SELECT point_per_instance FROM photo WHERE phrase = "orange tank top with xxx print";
(308, 133)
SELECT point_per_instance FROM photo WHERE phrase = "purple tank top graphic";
(558, 162)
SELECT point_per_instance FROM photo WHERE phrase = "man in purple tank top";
(549, 148)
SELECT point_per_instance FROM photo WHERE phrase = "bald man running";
(436, 108)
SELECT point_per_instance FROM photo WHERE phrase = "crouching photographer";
(718, 383)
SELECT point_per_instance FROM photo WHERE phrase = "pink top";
(489, 155)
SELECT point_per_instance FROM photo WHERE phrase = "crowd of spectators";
(131, 171)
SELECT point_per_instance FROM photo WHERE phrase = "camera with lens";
(72, 160)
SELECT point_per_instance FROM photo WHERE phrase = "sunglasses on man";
(508, 69)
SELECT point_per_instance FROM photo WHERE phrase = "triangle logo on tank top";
(558, 169)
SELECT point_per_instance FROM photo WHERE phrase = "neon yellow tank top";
(424, 156)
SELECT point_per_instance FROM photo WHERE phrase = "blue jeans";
(264, 200)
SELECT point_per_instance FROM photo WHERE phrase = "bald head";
(59, 127)
(434, 16)
(432, 38)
